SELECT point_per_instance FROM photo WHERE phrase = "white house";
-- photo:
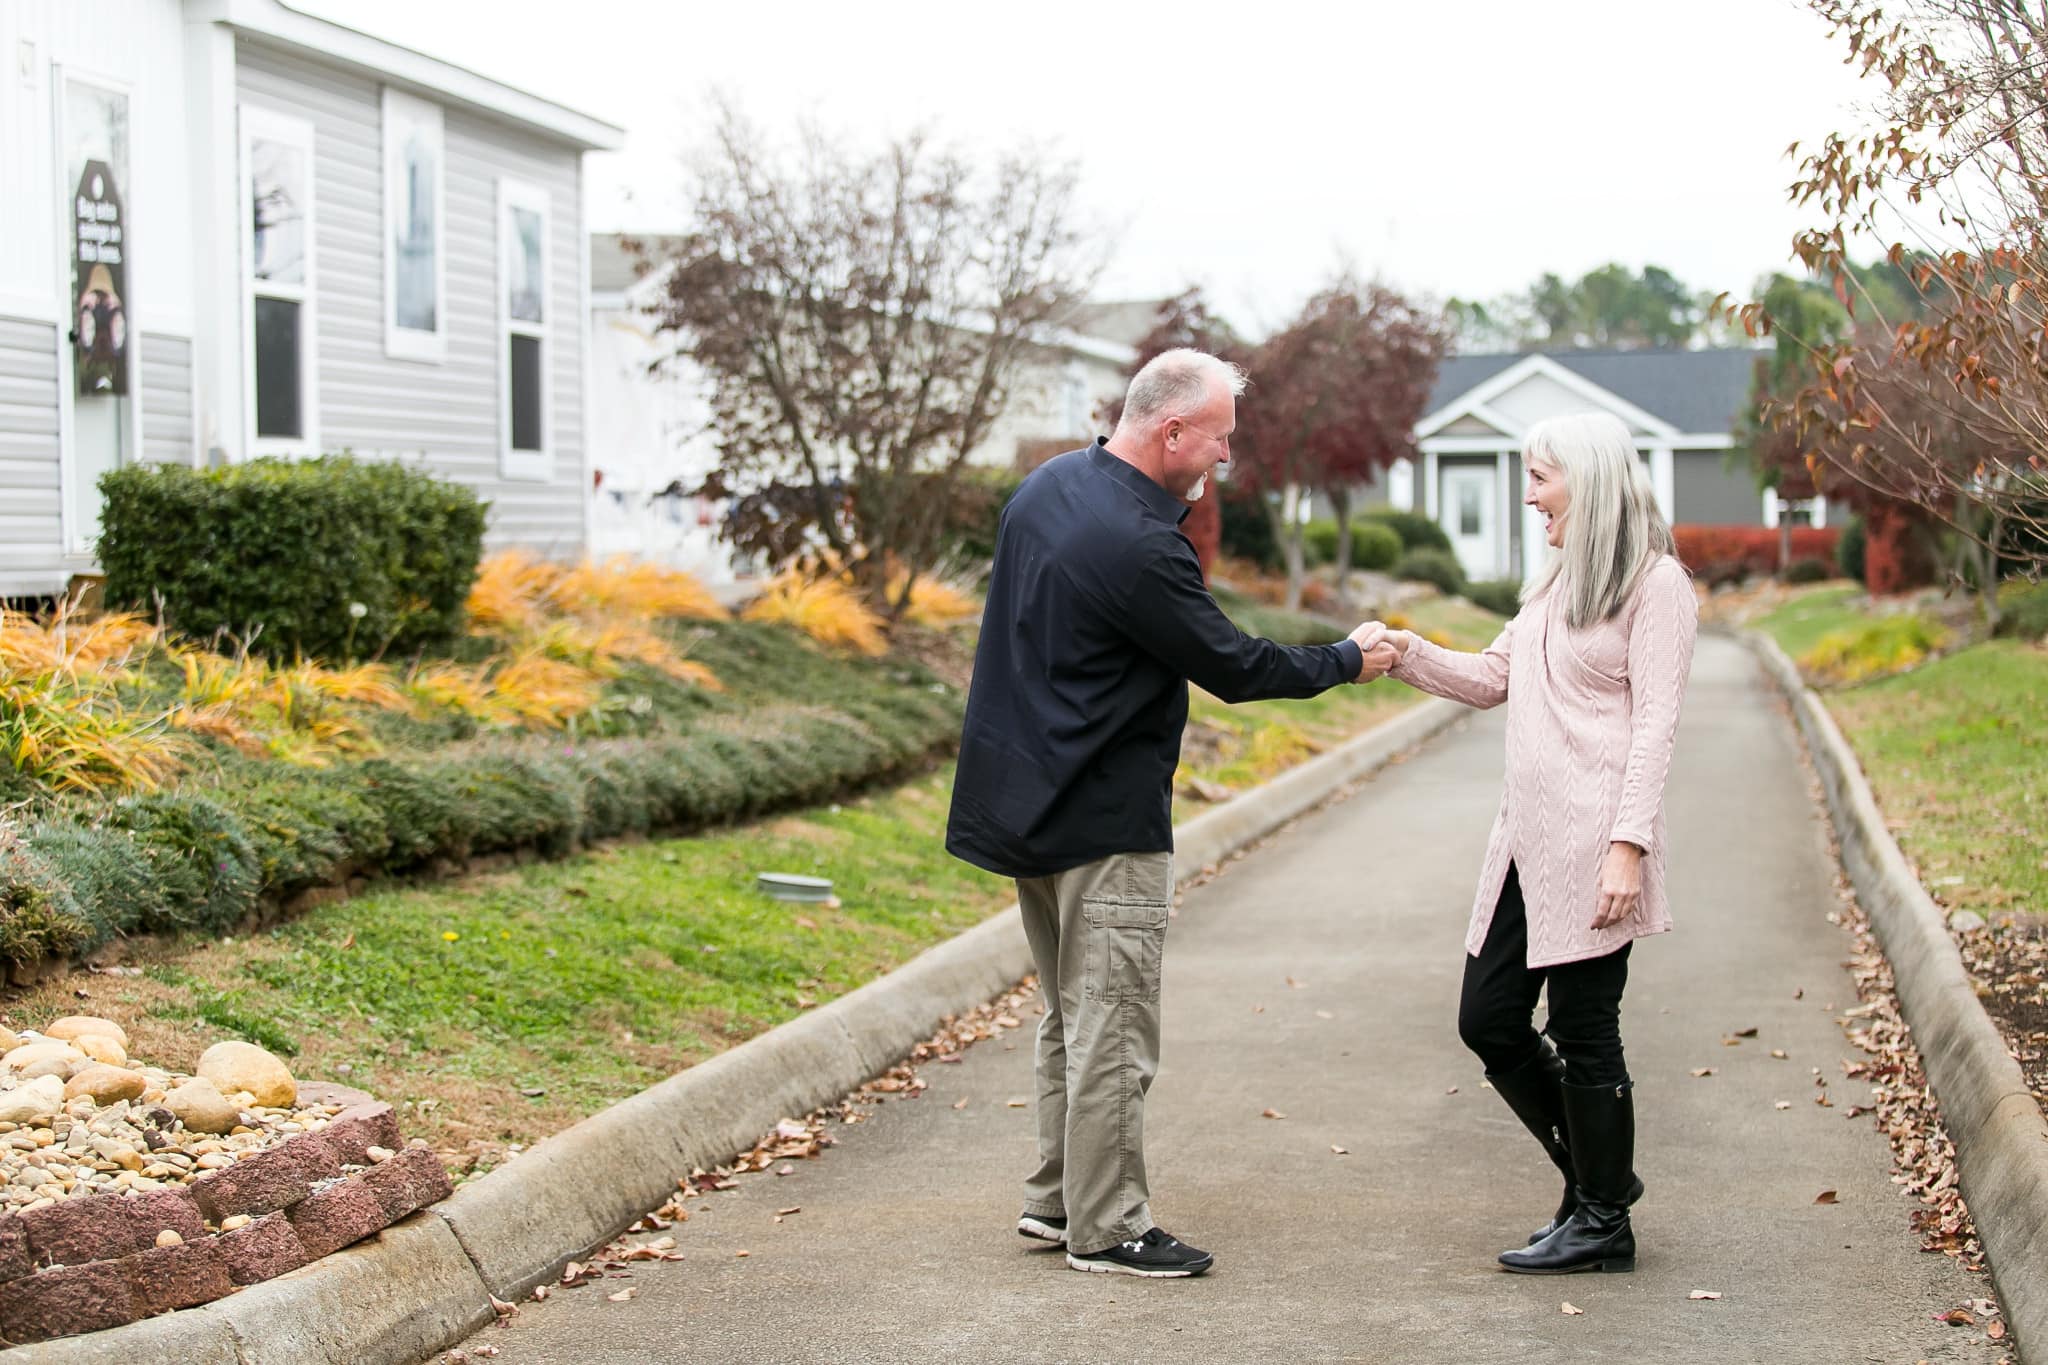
(1680, 406)
(651, 439)
(230, 229)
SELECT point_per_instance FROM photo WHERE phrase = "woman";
(1593, 669)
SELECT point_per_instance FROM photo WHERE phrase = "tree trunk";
(1340, 503)
(1290, 543)
(1784, 536)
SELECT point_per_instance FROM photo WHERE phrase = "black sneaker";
(1155, 1256)
(1045, 1227)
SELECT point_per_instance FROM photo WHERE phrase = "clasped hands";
(1381, 647)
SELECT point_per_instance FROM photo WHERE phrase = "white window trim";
(410, 343)
(77, 551)
(297, 133)
(525, 465)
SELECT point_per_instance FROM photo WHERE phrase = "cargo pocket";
(1125, 941)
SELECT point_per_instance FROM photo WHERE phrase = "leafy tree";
(863, 317)
(1609, 307)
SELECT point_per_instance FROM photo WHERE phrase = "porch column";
(1662, 480)
(1429, 484)
(1504, 541)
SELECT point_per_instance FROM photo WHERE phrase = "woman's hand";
(1621, 885)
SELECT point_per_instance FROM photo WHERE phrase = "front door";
(1470, 504)
(100, 411)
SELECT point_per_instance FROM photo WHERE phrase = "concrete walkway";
(904, 1249)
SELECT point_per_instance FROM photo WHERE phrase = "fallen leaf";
(793, 1208)
(1826, 1197)
(1340, 1151)
(1956, 1317)
(1294, 985)
(1731, 1042)
(804, 923)
(1704, 1294)
(623, 1295)
(1783, 1104)
(1018, 1102)
(1745, 1033)
(804, 1002)
(1258, 1009)
(541, 1292)
(1271, 1114)
(785, 1169)
(960, 1103)
(1704, 1071)
(1324, 1014)
(1996, 1331)
(1572, 1312)
(1452, 1091)
(742, 1254)
(1779, 1053)
(502, 1308)
(1799, 994)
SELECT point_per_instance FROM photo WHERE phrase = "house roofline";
(279, 22)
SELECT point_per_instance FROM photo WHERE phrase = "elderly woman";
(1593, 670)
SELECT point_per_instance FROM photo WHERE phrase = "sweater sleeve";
(1660, 644)
(1479, 680)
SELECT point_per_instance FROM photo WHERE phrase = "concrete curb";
(2000, 1135)
(518, 1226)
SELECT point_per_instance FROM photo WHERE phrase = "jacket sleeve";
(1479, 680)
(1171, 616)
(1660, 643)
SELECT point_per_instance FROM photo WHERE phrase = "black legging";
(1500, 993)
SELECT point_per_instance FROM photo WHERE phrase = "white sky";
(1454, 148)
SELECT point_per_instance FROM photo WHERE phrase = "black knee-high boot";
(1600, 1134)
(1534, 1091)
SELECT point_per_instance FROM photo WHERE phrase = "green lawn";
(1799, 625)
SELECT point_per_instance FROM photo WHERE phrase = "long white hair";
(1613, 528)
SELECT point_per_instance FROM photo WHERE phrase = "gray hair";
(1175, 383)
(1613, 529)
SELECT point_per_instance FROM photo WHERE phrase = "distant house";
(1680, 406)
(229, 229)
(651, 440)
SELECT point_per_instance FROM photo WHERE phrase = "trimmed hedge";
(796, 727)
(1440, 567)
(1416, 529)
(1374, 545)
(293, 547)
(1849, 550)
(1501, 596)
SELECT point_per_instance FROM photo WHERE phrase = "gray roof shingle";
(1695, 391)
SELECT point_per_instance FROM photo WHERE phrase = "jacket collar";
(1162, 503)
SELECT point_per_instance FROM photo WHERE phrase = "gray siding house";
(1680, 406)
(229, 229)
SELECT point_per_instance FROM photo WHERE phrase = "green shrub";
(292, 547)
(1432, 566)
(980, 499)
(107, 872)
(197, 855)
(1373, 545)
(1417, 531)
(1501, 596)
(39, 917)
(1807, 571)
(1849, 550)
(1247, 530)
(2023, 610)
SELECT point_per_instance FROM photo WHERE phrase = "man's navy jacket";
(1097, 620)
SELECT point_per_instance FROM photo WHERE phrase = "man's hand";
(1377, 634)
(1376, 661)
(1621, 885)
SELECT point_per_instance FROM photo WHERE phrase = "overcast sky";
(1453, 149)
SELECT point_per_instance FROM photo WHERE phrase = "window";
(277, 269)
(523, 349)
(415, 293)
(1470, 509)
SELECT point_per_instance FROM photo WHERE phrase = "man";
(1097, 619)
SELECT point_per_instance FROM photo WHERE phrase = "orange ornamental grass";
(511, 591)
(935, 602)
(624, 586)
(827, 609)
(103, 647)
(74, 740)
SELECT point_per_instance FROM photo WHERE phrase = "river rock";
(41, 1098)
(106, 1085)
(199, 1105)
(102, 1048)
(247, 1067)
(9, 1040)
(86, 1026)
(19, 1057)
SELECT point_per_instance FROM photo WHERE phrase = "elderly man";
(1097, 619)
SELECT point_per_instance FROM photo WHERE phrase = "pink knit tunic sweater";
(1591, 718)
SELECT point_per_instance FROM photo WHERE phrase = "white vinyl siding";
(31, 558)
(166, 399)
(446, 415)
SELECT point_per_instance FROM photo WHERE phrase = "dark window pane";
(526, 382)
(277, 369)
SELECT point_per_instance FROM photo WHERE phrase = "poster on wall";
(99, 255)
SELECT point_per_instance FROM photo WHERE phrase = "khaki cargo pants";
(1097, 932)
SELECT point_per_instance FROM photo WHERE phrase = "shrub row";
(1731, 553)
(1374, 544)
(797, 726)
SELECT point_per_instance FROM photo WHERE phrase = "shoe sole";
(1613, 1265)
(1114, 1268)
(1028, 1226)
